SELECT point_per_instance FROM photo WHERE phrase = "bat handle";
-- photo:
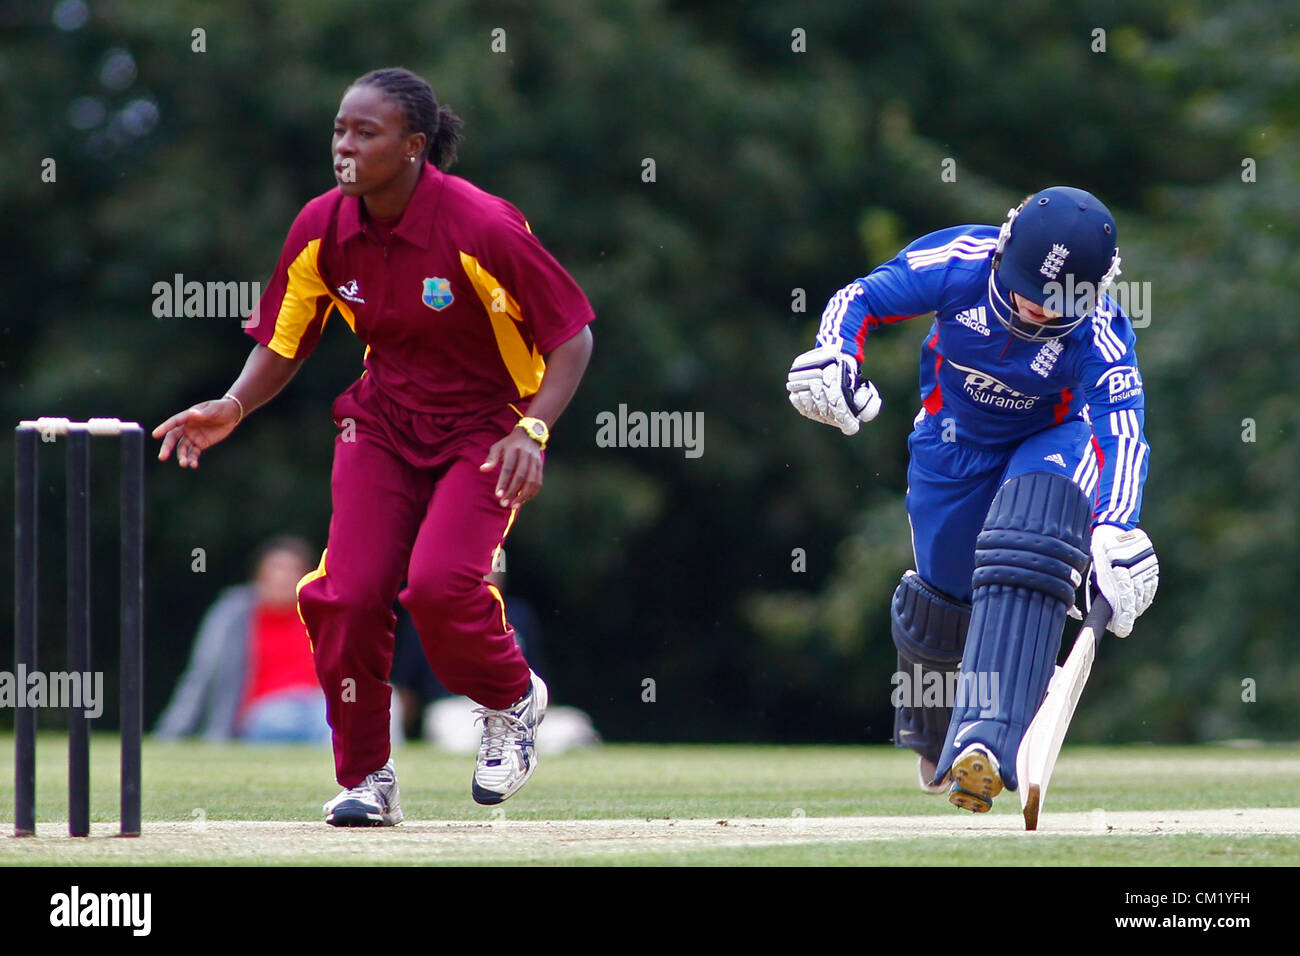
(1098, 616)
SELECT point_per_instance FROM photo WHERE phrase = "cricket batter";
(1027, 458)
(476, 340)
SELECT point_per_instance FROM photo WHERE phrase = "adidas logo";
(1056, 458)
(975, 320)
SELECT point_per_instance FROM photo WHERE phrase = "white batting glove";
(823, 386)
(1127, 572)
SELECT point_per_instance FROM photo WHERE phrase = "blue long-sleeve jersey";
(997, 388)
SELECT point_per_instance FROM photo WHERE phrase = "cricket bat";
(1041, 744)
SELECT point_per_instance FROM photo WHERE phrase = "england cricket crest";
(437, 293)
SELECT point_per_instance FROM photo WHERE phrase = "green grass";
(194, 792)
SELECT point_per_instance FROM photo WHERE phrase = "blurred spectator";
(250, 675)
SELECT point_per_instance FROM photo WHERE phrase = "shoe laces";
(498, 725)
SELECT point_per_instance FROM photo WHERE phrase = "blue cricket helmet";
(1057, 249)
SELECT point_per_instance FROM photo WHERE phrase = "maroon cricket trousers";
(410, 503)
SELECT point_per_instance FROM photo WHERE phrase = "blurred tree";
(779, 176)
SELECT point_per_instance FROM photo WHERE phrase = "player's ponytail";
(442, 146)
(440, 126)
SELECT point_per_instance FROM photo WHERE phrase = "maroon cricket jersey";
(457, 307)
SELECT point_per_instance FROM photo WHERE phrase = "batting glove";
(1127, 572)
(823, 386)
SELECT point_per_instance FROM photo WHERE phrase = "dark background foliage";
(776, 171)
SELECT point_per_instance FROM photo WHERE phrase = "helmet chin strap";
(1004, 235)
(1002, 307)
(1108, 279)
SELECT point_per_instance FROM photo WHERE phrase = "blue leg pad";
(929, 631)
(1029, 560)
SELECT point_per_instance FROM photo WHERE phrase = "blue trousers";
(950, 486)
(296, 716)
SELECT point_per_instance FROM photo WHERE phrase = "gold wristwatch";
(536, 430)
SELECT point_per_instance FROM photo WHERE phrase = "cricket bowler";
(1027, 459)
(476, 340)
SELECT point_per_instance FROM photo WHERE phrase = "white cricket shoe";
(507, 755)
(925, 773)
(976, 779)
(375, 802)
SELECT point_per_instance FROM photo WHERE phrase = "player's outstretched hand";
(520, 459)
(1127, 572)
(823, 385)
(197, 429)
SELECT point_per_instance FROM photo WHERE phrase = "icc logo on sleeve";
(437, 293)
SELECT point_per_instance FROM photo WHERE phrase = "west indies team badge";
(437, 293)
